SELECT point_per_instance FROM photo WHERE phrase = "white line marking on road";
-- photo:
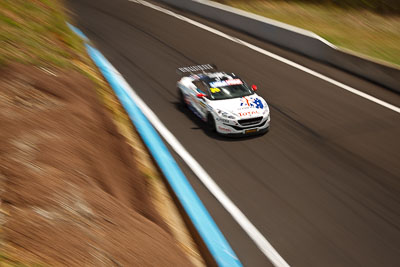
(272, 55)
(235, 212)
(217, 192)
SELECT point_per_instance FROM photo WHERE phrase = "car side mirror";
(200, 95)
(254, 87)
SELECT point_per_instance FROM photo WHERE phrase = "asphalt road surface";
(323, 186)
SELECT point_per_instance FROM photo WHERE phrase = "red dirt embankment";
(72, 194)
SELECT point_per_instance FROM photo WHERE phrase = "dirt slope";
(72, 193)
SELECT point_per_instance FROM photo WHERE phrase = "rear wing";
(196, 69)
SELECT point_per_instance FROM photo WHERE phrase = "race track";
(323, 186)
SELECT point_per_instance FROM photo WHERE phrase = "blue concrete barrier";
(212, 237)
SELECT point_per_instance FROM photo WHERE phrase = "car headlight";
(225, 114)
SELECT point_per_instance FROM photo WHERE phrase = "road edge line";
(271, 55)
(213, 238)
(261, 242)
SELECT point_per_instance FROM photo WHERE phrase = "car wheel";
(182, 102)
(211, 123)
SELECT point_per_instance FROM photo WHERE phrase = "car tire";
(211, 123)
(182, 102)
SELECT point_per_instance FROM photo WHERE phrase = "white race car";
(223, 101)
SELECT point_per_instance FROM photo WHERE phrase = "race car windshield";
(220, 90)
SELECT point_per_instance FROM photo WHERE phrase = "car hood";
(242, 107)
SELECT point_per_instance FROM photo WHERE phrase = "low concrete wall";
(293, 38)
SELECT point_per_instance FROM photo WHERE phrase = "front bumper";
(238, 130)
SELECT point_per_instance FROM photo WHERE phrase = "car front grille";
(248, 122)
(239, 128)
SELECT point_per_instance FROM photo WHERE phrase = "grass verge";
(6, 261)
(360, 30)
(35, 33)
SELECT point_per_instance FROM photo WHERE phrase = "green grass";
(35, 32)
(6, 261)
(360, 30)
